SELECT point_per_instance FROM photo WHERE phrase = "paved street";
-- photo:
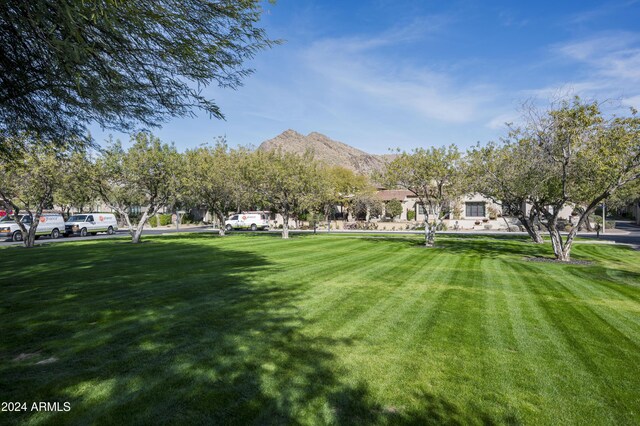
(119, 234)
(625, 233)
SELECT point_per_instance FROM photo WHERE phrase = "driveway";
(626, 232)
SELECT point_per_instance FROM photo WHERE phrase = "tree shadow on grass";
(177, 331)
(473, 246)
(173, 332)
(354, 407)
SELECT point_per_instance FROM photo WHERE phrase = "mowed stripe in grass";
(321, 329)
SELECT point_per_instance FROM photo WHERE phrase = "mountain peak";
(291, 133)
(326, 150)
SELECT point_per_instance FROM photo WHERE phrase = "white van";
(248, 220)
(90, 223)
(51, 224)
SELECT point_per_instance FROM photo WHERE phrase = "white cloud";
(613, 55)
(416, 30)
(500, 122)
(352, 66)
(608, 68)
(597, 13)
(509, 19)
(632, 102)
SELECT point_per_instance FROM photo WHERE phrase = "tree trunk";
(127, 220)
(23, 229)
(531, 230)
(566, 250)
(137, 233)
(327, 211)
(285, 226)
(561, 251)
(30, 239)
(587, 225)
(432, 234)
(507, 223)
(426, 233)
(221, 218)
(584, 218)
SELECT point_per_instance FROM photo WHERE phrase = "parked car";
(90, 223)
(248, 220)
(51, 224)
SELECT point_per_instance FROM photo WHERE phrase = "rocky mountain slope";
(326, 150)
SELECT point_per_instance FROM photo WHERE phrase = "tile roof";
(393, 194)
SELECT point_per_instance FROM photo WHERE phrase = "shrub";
(164, 219)
(441, 227)
(477, 222)
(393, 208)
(457, 211)
(488, 226)
(493, 213)
(187, 219)
(411, 215)
(365, 226)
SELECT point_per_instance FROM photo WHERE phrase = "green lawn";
(320, 329)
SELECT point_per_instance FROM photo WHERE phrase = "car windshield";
(77, 218)
(21, 217)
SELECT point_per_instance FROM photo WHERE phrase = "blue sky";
(385, 74)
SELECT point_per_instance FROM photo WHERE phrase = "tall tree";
(583, 158)
(345, 186)
(506, 174)
(75, 191)
(214, 179)
(288, 183)
(149, 175)
(628, 195)
(434, 176)
(27, 185)
(68, 63)
(366, 204)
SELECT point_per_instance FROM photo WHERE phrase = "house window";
(420, 208)
(474, 209)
